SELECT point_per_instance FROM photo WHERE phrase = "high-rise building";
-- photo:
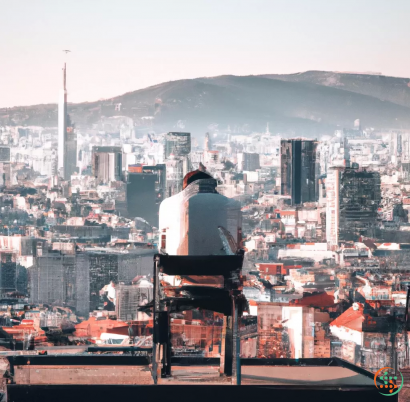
(360, 197)
(8, 272)
(177, 145)
(142, 197)
(352, 200)
(405, 147)
(107, 164)
(248, 162)
(71, 150)
(207, 143)
(161, 183)
(175, 174)
(395, 146)
(405, 157)
(62, 124)
(67, 142)
(299, 170)
(130, 297)
(96, 269)
(177, 148)
(52, 278)
(332, 207)
(5, 166)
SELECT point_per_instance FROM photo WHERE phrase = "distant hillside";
(311, 103)
(392, 89)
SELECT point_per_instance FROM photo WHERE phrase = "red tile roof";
(317, 300)
(94, 328)
(352, 319)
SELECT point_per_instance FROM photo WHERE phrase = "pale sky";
(124, 45)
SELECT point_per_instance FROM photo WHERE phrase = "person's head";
(112, 283)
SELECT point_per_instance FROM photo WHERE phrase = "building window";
(163, 241)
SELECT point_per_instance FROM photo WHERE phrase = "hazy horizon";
(126, 46)
(181, 79)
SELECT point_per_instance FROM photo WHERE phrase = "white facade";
(314, 255)
(252, 177)
(346, 334)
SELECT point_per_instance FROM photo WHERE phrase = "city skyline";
(205, 193)
(137, 45)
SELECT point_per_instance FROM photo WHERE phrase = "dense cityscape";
(323, 225)
(205, 199)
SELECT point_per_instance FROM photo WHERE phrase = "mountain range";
(310, 103)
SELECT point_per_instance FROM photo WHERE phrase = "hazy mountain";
(311, 103)
(392, 89)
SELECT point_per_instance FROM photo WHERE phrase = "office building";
(107, 164)
(52, 279)
(177, 148)
(8, 272)
(132, 296)
(360, 197)
(332, 207)
(161, 183)
(5, 166)
(175, 169)
(142, 197)
(299, 170)
(207, 143)
(248, 162)
(96, 268)
(177, 145)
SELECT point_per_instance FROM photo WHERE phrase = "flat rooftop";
(268, 375)
(110, 377)
(309, 375)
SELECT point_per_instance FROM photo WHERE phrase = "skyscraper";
(177, 144)
(332, 207)
(94, 270)
(207, 143)
(5, 166)
(177, 149)
(142, 197)
(8, 272)
(107, 164)
(360, 196)
(67, 143)
(299, 170)
(248, 161)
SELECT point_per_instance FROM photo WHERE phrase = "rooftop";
(351, 318)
